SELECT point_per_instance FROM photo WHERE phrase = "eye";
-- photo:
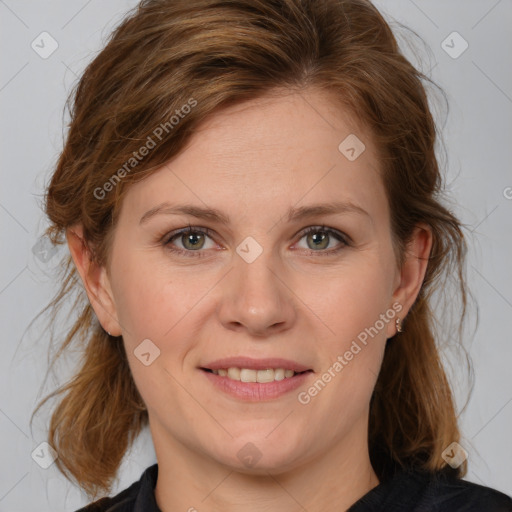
(191, 240)
(319, 238)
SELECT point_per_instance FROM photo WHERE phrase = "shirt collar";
(145, 500)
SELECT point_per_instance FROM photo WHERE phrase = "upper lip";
(255, 364)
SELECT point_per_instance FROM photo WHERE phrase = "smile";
(255, 380)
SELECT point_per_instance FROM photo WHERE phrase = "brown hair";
(165, 54)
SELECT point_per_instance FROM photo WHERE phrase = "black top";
(407, 491)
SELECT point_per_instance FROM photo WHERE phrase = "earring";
(109, 333)
(398, 324)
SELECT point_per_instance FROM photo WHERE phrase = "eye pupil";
(193, 238)
(318, 237)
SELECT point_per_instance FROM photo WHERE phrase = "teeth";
(249, 375)
(234, 373)
(279, 374)
(265, 375)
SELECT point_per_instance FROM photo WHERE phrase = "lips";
(256, 379)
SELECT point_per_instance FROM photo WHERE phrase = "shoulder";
(441, 491)
(450, 493)
(141, 492)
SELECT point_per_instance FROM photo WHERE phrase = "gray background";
(478, 134)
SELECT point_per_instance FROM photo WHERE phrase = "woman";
(250, 196)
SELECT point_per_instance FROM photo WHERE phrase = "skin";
(253, 162)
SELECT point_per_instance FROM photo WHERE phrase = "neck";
(332, 481)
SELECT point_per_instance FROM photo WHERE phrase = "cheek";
(354, 299)
(354, 308)
(150, 300)
(357, 309)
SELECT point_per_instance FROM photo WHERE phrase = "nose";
(256, 299)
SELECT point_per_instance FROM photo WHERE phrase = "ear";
(95, 279)
(412, 273)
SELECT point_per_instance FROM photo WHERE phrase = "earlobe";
(413, 270)
(95, 280)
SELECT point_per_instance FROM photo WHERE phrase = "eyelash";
(169, 237)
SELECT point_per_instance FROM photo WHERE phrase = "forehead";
(269, 153)
(278, 126)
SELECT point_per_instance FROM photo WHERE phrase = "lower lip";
(256, 391)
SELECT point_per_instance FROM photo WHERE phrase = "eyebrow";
(214, 215)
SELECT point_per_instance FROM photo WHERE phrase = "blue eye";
(194, 239)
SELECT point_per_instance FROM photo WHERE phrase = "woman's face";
(257, 292)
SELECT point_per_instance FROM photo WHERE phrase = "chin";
(257, 455)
